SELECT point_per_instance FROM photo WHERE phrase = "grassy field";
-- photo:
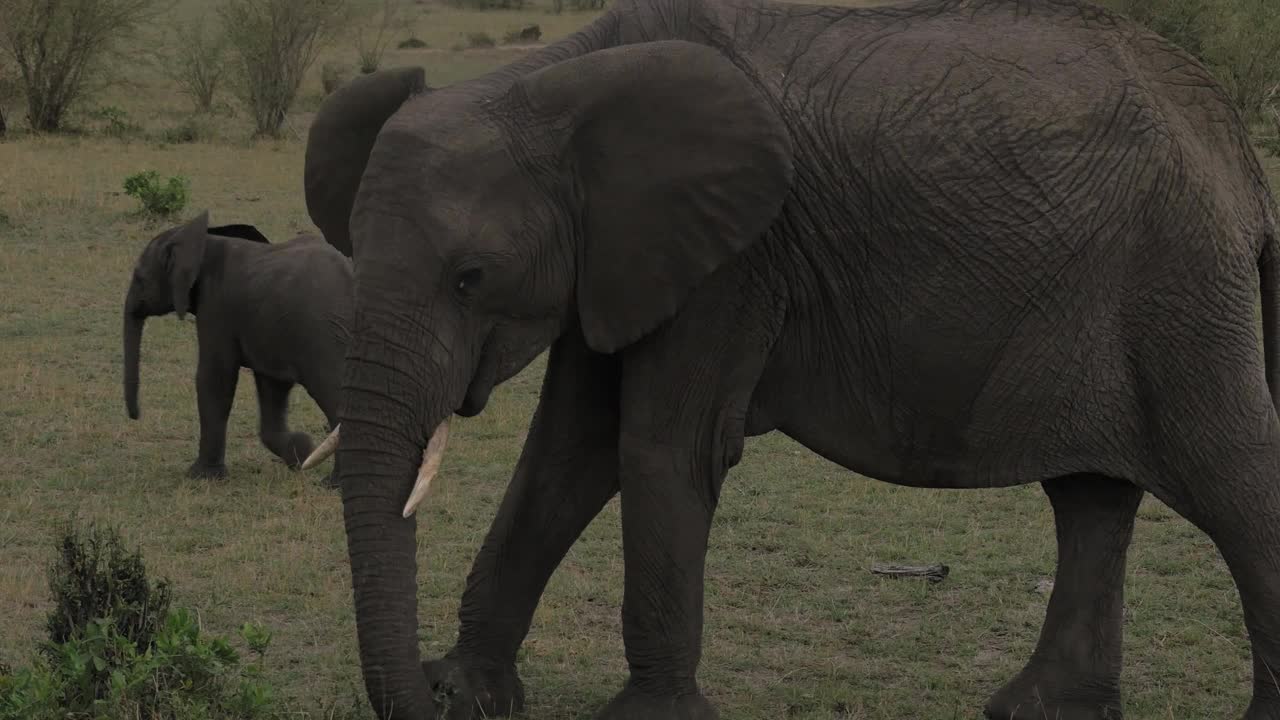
(796, 625)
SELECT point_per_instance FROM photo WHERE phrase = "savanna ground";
(796, 625)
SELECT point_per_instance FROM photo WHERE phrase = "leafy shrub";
(332, 76)
(488, 4)
(480, 39)
(158, 199)
(199, 61)
(527, 34)
(559, 6)
(412, 43)
(113, 121)
(117, 651)
(273, 43)
(188, 131)
(95, 577)
(64, 50)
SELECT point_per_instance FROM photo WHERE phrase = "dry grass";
(796, 625)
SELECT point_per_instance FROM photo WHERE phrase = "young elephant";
(281, 310)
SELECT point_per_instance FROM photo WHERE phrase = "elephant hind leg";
(1074, 673)
(273, 422)
(1233, 495)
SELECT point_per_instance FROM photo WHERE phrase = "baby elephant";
(282, 310)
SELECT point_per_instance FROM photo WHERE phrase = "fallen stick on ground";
(932, 573)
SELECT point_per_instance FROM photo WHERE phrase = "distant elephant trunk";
(380, 450)
(133, 320)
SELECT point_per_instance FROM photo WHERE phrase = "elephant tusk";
(431, 459)
(326, 448)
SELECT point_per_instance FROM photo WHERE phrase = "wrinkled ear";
(186, 253)
(239, 230)
(341, 137)
(682, 163)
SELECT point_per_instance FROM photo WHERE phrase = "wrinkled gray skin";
(946, 244)
(282, 311)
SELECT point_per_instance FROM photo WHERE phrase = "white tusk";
(431, 459)
(326, 448)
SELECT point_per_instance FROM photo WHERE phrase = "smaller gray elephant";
(281, 310)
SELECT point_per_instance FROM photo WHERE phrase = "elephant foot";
(632, 704)
(201, 471)
(466, 690)
(293, 448)
(1046, 692)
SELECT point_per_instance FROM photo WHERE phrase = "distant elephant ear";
(239, 230)
(683, 163)
(341, 137)
(186, 254)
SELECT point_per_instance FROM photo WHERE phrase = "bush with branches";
(373, 35)
(116, 650)
(272, 44)
(199, 61)
(62, 49)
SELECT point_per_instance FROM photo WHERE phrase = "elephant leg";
(566, 474)
(273, 422)
(1074, 673)
(1236, 501)
(216, 378)
(685, 398)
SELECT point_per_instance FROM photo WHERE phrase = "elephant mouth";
(481, 386)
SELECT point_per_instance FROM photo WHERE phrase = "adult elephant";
(948, 244)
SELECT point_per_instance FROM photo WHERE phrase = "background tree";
(272, 43)
(199, 61)
(62, 48)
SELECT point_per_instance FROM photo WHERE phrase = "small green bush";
(332, 76)
(188, 131)
(113, 121)
(95, 577)
(117, 651)
(158, 199)
(412, 43)
(488, 4)
(559, 6)
(480, 40)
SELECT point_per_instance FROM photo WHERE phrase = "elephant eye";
(468, 280)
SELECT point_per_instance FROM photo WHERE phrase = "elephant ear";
(682, 163)
(340, 140)
(239, 230)
(186, 254)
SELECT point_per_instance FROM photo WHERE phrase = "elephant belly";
(938, 403)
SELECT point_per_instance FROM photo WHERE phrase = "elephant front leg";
(1074, 673)
(566, 474)
(216, 378)
(668, 499)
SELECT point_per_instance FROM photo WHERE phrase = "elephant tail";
(1269, 279)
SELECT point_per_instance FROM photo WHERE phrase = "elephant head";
(588, 196)
(164, 281)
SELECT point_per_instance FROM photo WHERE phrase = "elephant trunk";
(133, 321)
(382, 442)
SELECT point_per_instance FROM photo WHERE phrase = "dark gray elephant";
(947, 244)
(281, 310)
